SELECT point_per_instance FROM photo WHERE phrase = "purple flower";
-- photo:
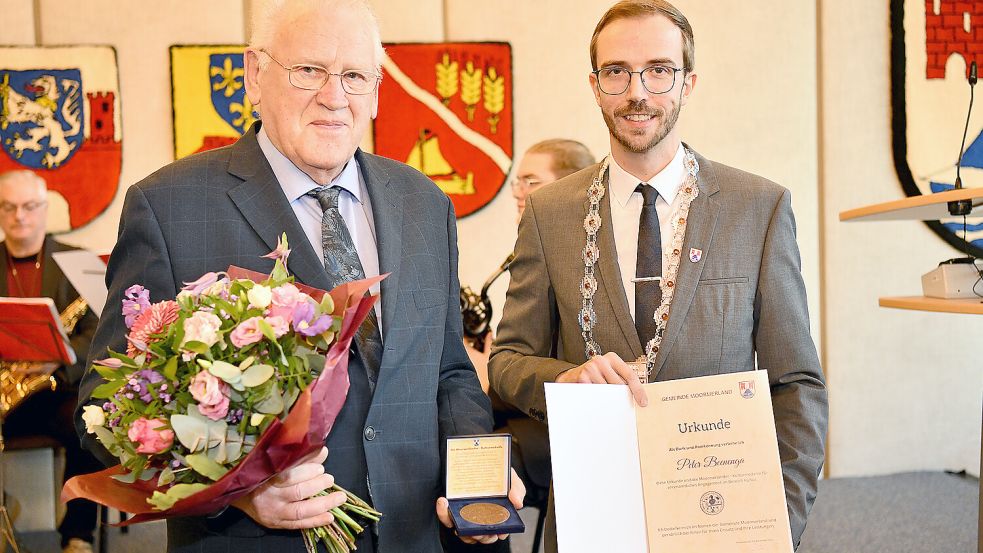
(202, 284)
(305, 321)
(136, 301)
(151, 376)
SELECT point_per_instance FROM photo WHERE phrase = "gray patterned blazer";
(225, 207)
(743, 299)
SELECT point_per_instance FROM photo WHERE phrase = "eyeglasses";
(313, 77)
(657, 79)
(30, 207)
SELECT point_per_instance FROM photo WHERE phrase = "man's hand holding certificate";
(697, 469)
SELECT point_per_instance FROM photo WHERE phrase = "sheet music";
(87, 273)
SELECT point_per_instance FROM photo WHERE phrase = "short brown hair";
(569, 156)
(629, 9)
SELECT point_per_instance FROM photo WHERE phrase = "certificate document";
(695, 470)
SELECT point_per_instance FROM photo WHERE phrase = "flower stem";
(339, 536)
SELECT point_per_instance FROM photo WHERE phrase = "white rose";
(260, 296)
(94, 416)
(202, 327)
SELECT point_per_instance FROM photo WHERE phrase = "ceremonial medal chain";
(591, 255)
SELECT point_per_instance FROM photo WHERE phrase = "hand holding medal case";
(478, 482)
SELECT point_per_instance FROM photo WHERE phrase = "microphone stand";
(962, 208)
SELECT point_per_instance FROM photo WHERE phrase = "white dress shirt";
(626, 210)
(353, 204)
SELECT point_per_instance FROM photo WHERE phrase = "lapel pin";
(695, 255)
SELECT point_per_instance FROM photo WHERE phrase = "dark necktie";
(342, 265)
(648, 293)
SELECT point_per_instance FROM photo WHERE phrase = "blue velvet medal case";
(478, 482)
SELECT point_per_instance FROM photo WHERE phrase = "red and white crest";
(446, 110)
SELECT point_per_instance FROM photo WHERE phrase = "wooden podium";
(928, 207)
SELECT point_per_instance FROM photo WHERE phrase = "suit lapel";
(702, 222)
(609, 278)
(265, 208)
(387, 216)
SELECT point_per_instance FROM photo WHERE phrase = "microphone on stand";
(964, 207)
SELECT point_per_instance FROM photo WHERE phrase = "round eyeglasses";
(313, 77)
(657, 79)
(29, 207)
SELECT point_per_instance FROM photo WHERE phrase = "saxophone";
(476, 309)
(19, 380)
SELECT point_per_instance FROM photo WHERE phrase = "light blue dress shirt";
(353, 204)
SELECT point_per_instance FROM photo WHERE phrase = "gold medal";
(485, 514)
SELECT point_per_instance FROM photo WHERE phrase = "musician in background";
(543, 163)
(28, 271)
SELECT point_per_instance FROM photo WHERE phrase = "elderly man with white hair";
(29, 272)
(312, 71)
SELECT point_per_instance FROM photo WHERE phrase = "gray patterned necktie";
(648, 293)
(342, 265)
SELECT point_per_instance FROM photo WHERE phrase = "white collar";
(667, 181)
(295, 183)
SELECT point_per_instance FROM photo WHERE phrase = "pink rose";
(246, 333)
(212, 395)
(150, 435)
(285, 298)
(202, 327)
(279, 324)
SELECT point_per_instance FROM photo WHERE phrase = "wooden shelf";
(927, 207)
(921, 303)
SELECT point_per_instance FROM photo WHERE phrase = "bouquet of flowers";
(236, 379)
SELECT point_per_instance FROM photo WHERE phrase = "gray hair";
(268, 13)
(23, 175)
(569, 156)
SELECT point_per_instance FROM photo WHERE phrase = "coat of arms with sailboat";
(446, 109)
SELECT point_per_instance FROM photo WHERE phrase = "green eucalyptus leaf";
(107, 439)
(272, 404)
(177, 492)
(166, 477)
(200, 463)
(233, 442)
(256, 375)
(289, 397)
(226, 371)
(216, 432)
(327, 304)
(191, 431)
(126, 478)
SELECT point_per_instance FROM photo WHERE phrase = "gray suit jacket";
(744, 298)
(225, 207)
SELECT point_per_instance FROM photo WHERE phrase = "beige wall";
(904, 385)
(902, 396)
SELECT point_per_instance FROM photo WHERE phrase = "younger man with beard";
(731, 296)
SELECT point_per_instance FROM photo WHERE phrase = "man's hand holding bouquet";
(225, 396)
